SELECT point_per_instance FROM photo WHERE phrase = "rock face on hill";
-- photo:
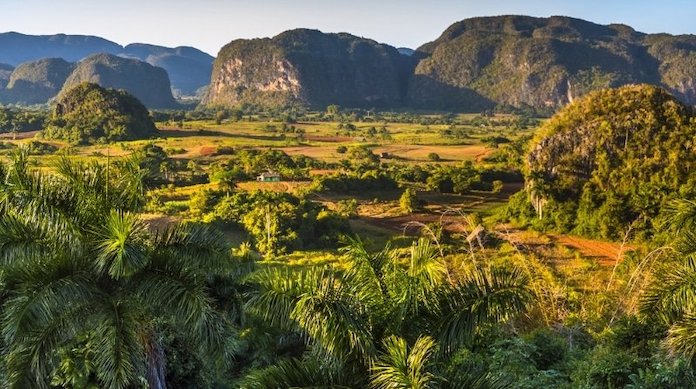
(612, 157)
(545, 63)
(189, 69)
(5, 73)
(311, 68)
(36, 82)
(148, 83)
(88, 113)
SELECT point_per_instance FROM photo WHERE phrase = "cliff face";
(5, 73)
(36, 82)
(544, 63)
(148, 83)
(308, 67)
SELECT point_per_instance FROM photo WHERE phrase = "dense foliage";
(15, 120)
(610, 161)
(88, 291)
(89, 113)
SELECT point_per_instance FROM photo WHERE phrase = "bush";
(434, 157)
(408, 201)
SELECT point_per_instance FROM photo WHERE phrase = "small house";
(268, 177)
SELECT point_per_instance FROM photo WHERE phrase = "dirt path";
(606, 253)
(19, 135)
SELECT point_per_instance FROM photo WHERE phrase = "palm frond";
(31, 344)
(317, 302)
(402, 368)
(279, 291)
(294, 373)
(673, 294)
(481, 298)
(121, 249)
(475, 380)
(334, 317)
(196, 248)
(119, 354)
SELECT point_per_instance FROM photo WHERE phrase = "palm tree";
(672, 295)
(78, 263)
(361, 319)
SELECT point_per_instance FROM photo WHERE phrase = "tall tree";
(78, 263)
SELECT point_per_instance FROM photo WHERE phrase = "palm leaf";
(121, 249)
(402, 368)
(481, 298)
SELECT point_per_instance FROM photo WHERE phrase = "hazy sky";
(209, 24)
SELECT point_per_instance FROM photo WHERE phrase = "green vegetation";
(522, 61)
(21, 120)
(609, 162)
(88, 291)
(368, 264)
(89, 113)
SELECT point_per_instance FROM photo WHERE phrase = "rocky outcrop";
(308, 67)
(611, 160)
(36, 82)
(5, 73)
(148, 83)
(617, 139)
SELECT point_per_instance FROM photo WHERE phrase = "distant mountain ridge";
(189, 68)
(476, 64)
(545, 62)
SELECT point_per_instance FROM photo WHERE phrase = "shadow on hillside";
(426, 92)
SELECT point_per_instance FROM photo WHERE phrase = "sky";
(210, 24)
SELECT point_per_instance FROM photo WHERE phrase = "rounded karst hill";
(150, 84)
(612, 159)
(309, 68)
(38, 81)
(88, 113)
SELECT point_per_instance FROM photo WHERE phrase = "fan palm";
(77, 262)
